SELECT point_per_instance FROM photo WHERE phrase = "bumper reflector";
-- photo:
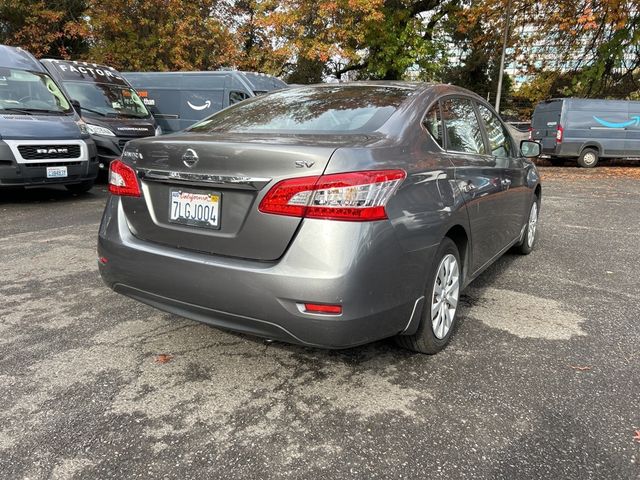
(323, 308)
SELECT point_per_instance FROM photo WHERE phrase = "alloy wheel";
(533, 223)
(446, 291)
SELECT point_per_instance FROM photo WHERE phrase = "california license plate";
(56, 172)
(195, 209)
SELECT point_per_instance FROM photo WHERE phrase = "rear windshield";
(546, 114)
(357, 109)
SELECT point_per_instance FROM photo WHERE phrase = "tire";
(78, 188)
(588, 158)
(425, 340)
(526, 246)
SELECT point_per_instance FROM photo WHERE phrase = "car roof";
(442, 88)
(16, 57)
(422, 89)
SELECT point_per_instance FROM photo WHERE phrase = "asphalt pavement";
(542, 378)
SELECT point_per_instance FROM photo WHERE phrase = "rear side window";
(433, 123)
(499, 140)
(546, 114)
(463, 129)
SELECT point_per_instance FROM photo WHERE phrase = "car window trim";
(472, 100)
(483, 130)
(426, 130)
(514, 150)
(475, 101)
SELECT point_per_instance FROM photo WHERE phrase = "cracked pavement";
(541, 380)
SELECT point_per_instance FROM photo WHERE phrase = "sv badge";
(304, 163)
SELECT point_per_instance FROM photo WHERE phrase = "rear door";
(160, 92)
(232, 171)
(632, 144)
(202, 95)
(515, 192)
(544, 124)
(478, 177)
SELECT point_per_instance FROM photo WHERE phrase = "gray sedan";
(329, 215)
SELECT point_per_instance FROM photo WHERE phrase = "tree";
(478, 62)
(259, 49)
(320, 34)
(160, 35)
(592, 44)
(406, 39)
(53, 28)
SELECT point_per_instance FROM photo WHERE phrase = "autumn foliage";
(573, 47)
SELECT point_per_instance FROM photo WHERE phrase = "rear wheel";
(588, 158)
(442, 295)
(82, 187)
(525, 247)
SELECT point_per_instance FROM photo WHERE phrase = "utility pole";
(507, 24)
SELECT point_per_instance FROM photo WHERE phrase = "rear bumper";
(566, 149)
(365, 270)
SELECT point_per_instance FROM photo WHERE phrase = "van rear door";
(544, 124)
(632, 143)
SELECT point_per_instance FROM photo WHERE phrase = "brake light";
(323, 308)
(123, 180)
(354, 196)
(559, 134)
(530, 133)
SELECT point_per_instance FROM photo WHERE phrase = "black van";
(112, 109)
(587, 129)
(180, 99)
(42, 139)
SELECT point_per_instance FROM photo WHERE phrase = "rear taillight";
(559, 134)
(354, 196)
(123, 180)
(530, 133)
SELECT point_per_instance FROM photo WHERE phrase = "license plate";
(56, 172)
(196, 209)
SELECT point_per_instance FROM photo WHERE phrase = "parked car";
(586, 130)
(329, 215)
(42, 139)
(517, 133)
(180, 99)
(112, 109)
(519, 125)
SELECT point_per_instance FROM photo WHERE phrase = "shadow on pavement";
(21, 195)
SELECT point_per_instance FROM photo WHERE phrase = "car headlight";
(83, 127)
(96, 130)
(158, 130)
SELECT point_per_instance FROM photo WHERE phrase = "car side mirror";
(530, 149)
(76, 105)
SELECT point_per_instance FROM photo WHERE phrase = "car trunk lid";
(239, 170)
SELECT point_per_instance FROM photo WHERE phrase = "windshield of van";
(27, 93)
(105, 100)
(357, 109)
